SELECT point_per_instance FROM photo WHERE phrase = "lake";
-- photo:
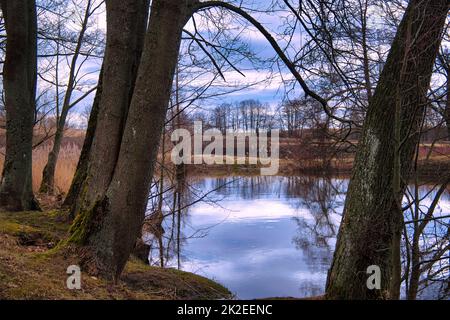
(262, 236)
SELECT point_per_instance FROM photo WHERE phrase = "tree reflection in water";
(322, 197)
(286, 224)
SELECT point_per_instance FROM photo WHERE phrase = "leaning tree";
(111, 211)
(372, 224)
(110, 208)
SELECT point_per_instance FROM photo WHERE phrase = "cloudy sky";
(262, 79)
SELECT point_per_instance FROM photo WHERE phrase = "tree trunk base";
(10, 202)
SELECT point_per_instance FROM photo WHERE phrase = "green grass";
(30, 269)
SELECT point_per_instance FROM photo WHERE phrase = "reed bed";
(65, 168)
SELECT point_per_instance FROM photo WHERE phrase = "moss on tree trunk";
(126, 25)
(116, 219)
(19, 82)
(372, 223)
(83, 162)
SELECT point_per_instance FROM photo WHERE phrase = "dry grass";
(293, 158)
(68, 156)
(65, 168)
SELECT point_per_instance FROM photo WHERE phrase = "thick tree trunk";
(83, 161)
(126, 25)
(371, 227)
(19, 82)
(108, 230)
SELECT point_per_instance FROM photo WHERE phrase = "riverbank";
(296, 157)
(30, 269)
(430, 170)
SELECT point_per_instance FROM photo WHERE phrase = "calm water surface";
(265, 236)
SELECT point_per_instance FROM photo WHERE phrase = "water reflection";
(324, 198)
(259, 236)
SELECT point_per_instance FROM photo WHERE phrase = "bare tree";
(19, 81)
(112, 215)
(83, 162)
(372, 223)
(74, 77)
(120, 65)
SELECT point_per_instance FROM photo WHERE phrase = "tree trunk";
(108, 230)
(19, 82)
(371, 227)
(83, 161)
(447, 105)
(48, 174)
(415, 269)
(126, 25)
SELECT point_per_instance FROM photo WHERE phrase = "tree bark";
(126, 25)
(19, 82)
(108, 230)
(119, 214)
(372, 221)
(83, 161)
(447, 105)
(415, 269)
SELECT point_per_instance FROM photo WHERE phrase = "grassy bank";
(31, 269)
(428, 171)
(296, 157)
